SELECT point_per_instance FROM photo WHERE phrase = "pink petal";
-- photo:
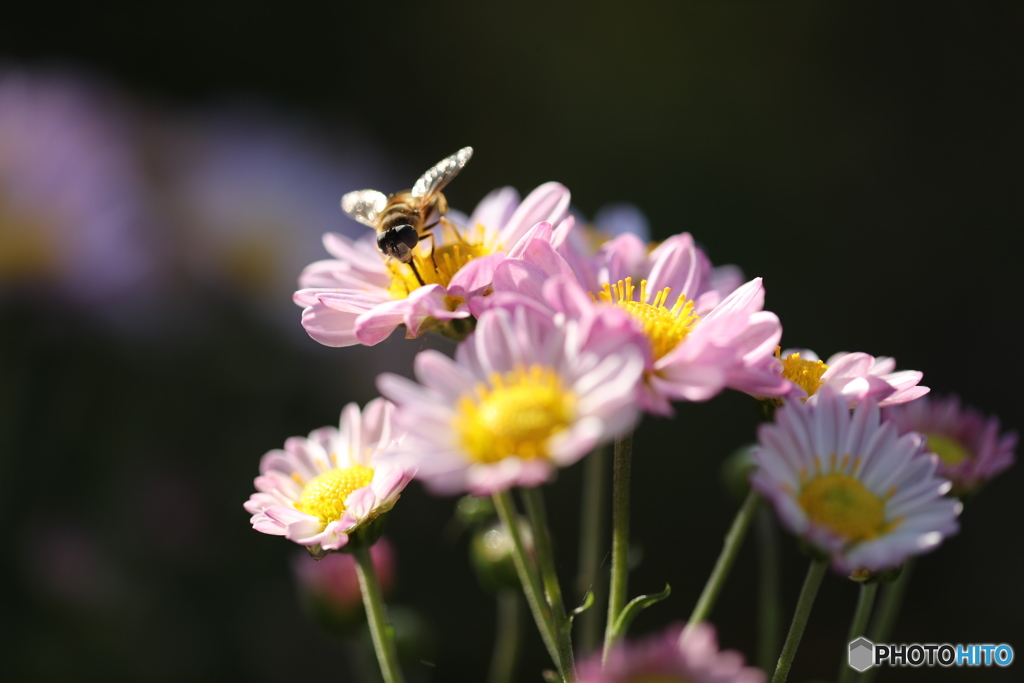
(541, 230)
(542, 254)
(360, 503)
(330, 327)
(495, 209)
(475, 277)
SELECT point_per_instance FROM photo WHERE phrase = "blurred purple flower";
(66, 561)
(252, 194)
(72, 222)
(968, 443)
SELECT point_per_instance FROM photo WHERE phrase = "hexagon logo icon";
(862, 654)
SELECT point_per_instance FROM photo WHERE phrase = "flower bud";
(329, 587)
(491, 552)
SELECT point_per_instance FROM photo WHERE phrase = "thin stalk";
(730, 548)
(769, 608)
(857, 627)
(620, 536)
(803, 610)
(889, 610)
(382, 633)
(506, 638)
(588, 577)
(528, 577)
(892, 600)
(534, 501)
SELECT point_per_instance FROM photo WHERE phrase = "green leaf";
(588, 601)
(635, 606)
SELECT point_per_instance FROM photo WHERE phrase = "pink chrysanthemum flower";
(969, 445)
(360, 296)
(676, 263)
(527, 393)
(680, 655)
(692, 352)
(320, 490)
(856, 376)
(850, 485)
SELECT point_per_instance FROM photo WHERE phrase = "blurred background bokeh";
(165, 177)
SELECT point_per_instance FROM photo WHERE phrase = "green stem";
(506, 508)
(553, 591)
(381, 631)
(730, 548)
(891, 603)
(769, 612)
(892, 600)
(506, 639)
(857, 627)
(803, 610)
(589, 578)
(620, 536)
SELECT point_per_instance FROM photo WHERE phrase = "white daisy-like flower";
(850, 485)
(320, 490)
(526, 393)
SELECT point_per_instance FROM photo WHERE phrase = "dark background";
(865, 160)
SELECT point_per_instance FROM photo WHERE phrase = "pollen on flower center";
(806, 374)
(514, 415)
(844, 505)
(665, 328)
(438, 263)
(324, 496)
(949, 449)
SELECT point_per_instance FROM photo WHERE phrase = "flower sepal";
(866, 576)
(766, 407)
(456, 329)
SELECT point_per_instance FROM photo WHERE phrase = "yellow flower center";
(806, 374)
(665, 328)
(515, 415)
(324, 495)
(437, 264)
(843, 504)
(949, 450)
(25, 248)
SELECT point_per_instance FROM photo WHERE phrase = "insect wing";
(431, 182)
(364, 206)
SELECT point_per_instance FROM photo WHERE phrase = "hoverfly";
(405, 218)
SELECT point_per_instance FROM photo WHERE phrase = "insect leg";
(430, 236)
(451, 227)
(415, 272)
